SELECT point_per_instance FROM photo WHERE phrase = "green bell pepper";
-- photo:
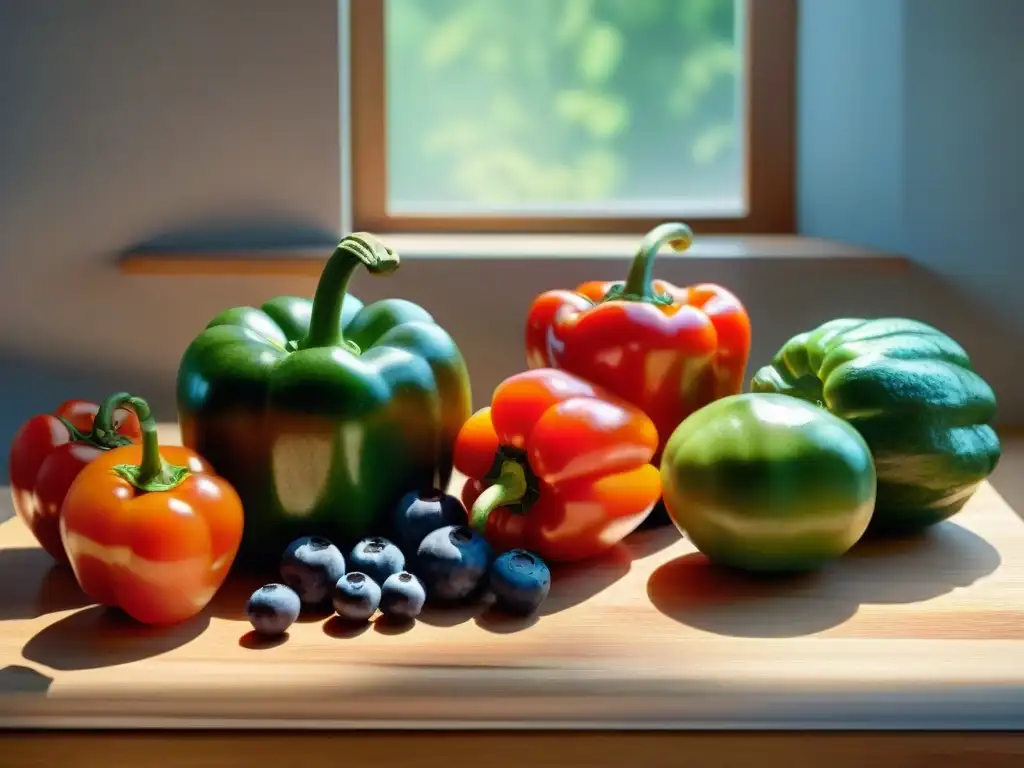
(324, 414)
(768, 483)
(912, 393)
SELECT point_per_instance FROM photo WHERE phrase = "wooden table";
(924, 635)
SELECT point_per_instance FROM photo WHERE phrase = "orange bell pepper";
(557, 466)
(150, 529)
(668, 350)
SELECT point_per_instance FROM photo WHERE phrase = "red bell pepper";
(48, 452)
(558, 467)
(668, 350)
(150, 529)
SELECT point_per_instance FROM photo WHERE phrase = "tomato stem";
(152, 473)
(638, 282)
(75, 434)
(510, 487)
(104, 434)
(355, 250)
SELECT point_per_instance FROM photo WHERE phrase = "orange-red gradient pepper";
(558, 467)
(150, 529)
(668, 350)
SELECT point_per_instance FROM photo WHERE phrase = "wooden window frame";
(770, 88)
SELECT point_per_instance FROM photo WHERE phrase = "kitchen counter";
(921, 635)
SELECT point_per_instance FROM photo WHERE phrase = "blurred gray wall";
(910, 125)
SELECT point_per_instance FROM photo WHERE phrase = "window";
(572, 115)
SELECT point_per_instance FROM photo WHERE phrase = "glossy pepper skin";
(913, 394)
(324, 414)
(150, 529)
(558, 467)
(668, 350)
(48, 452)
(768, 483)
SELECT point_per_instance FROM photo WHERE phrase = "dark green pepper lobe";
(323, 428)
(912, 393)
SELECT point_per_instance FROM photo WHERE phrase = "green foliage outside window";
(512, 103)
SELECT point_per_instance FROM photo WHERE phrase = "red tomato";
(47, 454)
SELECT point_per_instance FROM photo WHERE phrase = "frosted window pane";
(563, 107)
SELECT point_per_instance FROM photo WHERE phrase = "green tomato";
(767, 482)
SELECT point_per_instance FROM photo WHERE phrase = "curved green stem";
(104, 434)
(152, 473)
(638, 281)
(77, 436)
(509, 488)
(355, 250)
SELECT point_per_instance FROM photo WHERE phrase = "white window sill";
(307, 260)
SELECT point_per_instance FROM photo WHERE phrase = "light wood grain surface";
(920, 634)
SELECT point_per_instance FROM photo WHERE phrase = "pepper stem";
(638, 281)
(357, 249)
(509, 488)
(152, 473)
(104, 434)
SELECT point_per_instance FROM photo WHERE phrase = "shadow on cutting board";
(42, 587)
(693, 591)
(14, 678)
(101, 637)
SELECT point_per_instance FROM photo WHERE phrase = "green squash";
(912, 393)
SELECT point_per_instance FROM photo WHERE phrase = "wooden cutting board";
(919, 634)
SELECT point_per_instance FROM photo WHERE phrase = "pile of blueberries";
(435, 557)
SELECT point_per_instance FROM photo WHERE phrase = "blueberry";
(312, 566)
(402, 597)
(419, 513)
(520, 581)
(376, 557)
(272, 609)
(453, 561)
(356, 596)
